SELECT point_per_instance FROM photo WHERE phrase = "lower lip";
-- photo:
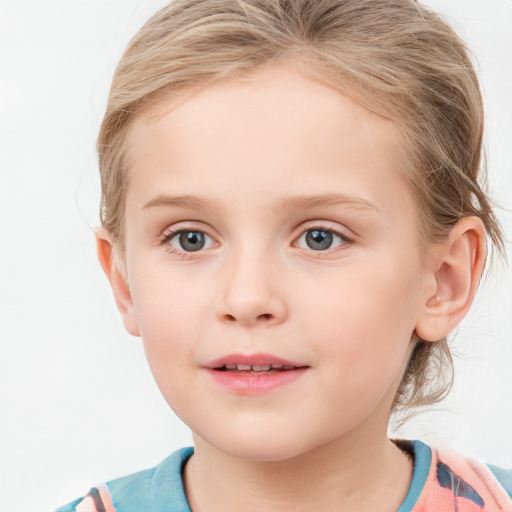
(251, 384)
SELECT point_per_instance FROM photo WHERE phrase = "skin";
(348, 312)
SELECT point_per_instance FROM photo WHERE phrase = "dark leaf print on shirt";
(449, 480)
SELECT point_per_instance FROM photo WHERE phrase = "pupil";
(192, 240)
(319, 240)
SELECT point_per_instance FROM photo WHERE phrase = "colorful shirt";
(441, 482)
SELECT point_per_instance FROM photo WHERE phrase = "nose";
(252, 292)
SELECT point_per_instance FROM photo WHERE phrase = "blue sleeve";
(504, 477)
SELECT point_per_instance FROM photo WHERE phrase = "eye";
(188, 240)
(319, 239)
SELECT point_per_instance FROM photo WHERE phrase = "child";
(292, 222)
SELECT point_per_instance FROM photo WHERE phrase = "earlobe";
(118, 282)
(458, 265)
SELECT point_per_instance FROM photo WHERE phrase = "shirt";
(442, 481)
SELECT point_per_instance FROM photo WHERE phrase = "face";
(274, 263)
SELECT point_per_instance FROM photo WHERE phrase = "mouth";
(255, 373)
(253, 369)
(253, 363)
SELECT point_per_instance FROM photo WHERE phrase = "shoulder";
(498, 481)
(504, 477)
(464, 481)
(98, 499)
(158, 489)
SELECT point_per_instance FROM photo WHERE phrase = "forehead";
(273, 132)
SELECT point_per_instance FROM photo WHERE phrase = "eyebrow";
(186, 201)
(315, 201)
(292, 202)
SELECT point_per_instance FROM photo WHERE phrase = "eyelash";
(345, 241)
(171, 233)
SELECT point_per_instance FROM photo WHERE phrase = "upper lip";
(259, 359)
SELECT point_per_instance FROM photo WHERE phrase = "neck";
(341, 475)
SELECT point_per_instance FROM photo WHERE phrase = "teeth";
(261, 368)
(257, 367)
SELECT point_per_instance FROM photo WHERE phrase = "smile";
(255, 369)
(255, 373)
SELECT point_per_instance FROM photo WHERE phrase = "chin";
(257, 445)
(260, 452)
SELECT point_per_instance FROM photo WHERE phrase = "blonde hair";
(396, 57)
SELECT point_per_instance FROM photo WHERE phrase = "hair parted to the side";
(395, 57)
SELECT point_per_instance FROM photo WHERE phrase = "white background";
(78, 405)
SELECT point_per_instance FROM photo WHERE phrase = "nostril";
(263, 317)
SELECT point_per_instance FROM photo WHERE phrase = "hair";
(397, 58)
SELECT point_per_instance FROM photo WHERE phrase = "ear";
(457, 266)
(119, 283)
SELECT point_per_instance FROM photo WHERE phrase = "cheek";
(165, 302)
(364, 297)
(363, 322)
(169, 333)
(171, 317)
